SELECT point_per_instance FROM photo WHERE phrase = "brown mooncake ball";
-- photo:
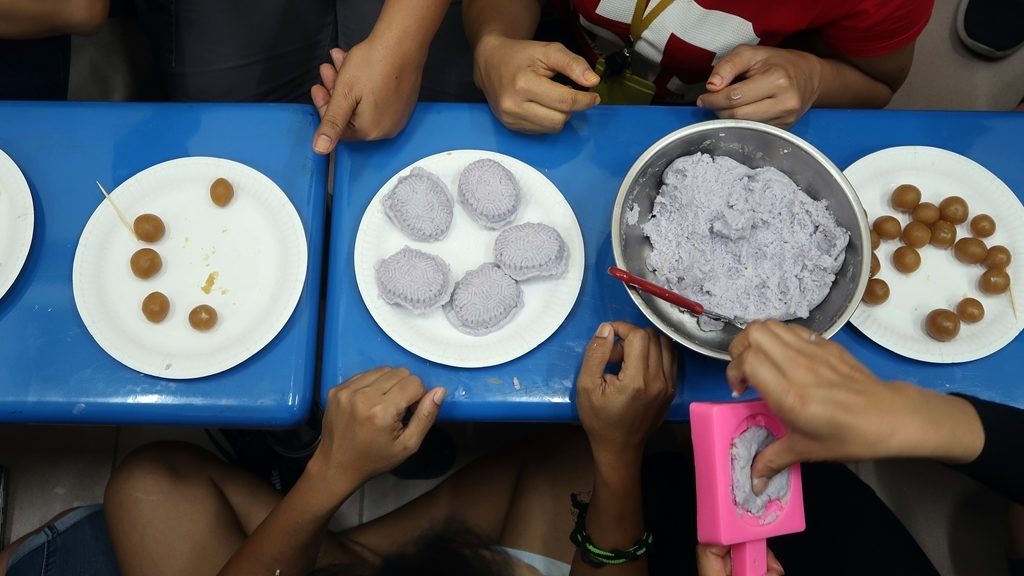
(149, 228)
(877, 291)
(888, 228)
(983, 226)
(998, 256)
(876, 240)
(942, 325)
(994, 281)
(905, 197)
(876, 265)
(221, 192)
(203, 317)
(916, 235)
(954, 210)
(926, 213)
(906, 259)
(970, 310)
(146, 263)
(970, 250)
(155, 307)
(943, 234)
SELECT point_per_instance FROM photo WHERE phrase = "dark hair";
(452, 550)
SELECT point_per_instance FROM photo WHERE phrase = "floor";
(960, 525)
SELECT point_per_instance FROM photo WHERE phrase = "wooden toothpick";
(120, 215)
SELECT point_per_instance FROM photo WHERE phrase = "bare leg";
(517, 497)
(173, 508)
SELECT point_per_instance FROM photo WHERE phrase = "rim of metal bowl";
(710, 125)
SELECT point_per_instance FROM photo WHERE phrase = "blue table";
(51, 370)
(588, 161)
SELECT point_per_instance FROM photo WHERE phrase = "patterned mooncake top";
(420, 206)
(415, 279)
(489, 193)
(484, 300)
(529, 250)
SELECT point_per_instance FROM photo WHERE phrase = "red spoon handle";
(655, 290)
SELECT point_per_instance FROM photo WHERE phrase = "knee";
(157, 470)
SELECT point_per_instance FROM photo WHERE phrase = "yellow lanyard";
(641, 23)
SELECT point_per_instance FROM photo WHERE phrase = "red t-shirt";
(679, 48)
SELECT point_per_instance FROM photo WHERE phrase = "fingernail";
(603, 331)
(323, 144)
(758, 485)
(735, 394)
(700, 103)
(591, 77)
(715, 80)
(735, 96)
(438, 395)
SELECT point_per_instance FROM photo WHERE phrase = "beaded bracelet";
(599, 557)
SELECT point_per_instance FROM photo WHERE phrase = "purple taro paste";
(746, 243)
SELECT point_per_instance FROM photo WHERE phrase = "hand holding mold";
(835, 409)
(715, 561)
(619, 411)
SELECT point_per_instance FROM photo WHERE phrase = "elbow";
(86, 17)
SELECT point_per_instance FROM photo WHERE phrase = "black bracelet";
(599, 557)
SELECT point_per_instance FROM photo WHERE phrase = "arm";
(619, 412)
(515, 72)
(999, 465)
(21, 19)
(778, 85)
(489, 19)
(373, 94)
(363, 436)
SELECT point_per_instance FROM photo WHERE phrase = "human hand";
(777, 85)
(716, 561)
(367, 93)
(619, 412)
(515, 75)
(363, 431)
(836, 409)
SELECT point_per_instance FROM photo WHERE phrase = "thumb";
(598, 353)
(775, 458)
(560, 59)
(335, 119)
(735, 63)
(423, 418)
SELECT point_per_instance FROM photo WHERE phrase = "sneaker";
(992, 28)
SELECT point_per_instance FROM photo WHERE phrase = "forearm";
(289, 539)
(615, 518)
(21, 19)
(514, 19)
(845, 86)
(410, 25)
(938, 426)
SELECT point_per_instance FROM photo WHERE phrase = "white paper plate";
(547, 300)
(256, 245)
(17, 221)
(942, 280)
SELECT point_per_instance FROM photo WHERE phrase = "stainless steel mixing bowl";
(755, 145)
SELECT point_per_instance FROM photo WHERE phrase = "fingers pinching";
(561, 59)
(597, 355)
(735, 63)
(423, 418)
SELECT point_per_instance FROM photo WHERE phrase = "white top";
(546, 566)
